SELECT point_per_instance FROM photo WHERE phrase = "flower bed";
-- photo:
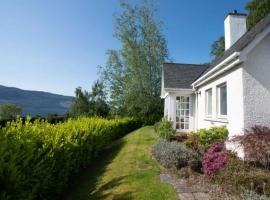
(219, 166)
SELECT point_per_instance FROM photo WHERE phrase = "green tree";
(218, 47)
(80, 104)
(133, 74)
(9, 111)
(90, 103)
(98, 105)
(257, 10)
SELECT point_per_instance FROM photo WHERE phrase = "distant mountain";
(35, 102)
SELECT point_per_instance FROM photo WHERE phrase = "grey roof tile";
(181, 75)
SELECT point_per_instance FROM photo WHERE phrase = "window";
(208, 101)
(222, 100)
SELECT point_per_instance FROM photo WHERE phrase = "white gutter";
(178, 89)
(164, 96)
(206, 76)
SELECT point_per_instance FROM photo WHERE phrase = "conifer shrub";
(38, 158)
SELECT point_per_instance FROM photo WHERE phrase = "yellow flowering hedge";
(37, 159)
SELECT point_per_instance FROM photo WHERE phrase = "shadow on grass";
(84, 185)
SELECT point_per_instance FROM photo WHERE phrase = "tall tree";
(9, 111)
(90, 103)
(258, 9)
(133, 74)
(80, 104)
(218, 47)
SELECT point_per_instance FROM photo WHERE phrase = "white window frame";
(219, 102)
(207, 114)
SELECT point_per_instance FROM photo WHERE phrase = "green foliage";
(258, 9)
(242, 175)
(90, 103)
(37, 159)
(9, 111)
(173, 155)
(165, 129)
(133, 74)
(208, 136)
(193, 141)
(218, 47)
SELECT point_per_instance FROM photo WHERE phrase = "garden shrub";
(256, 144)
(38, 158)
(215, 158)
(208, 136)
(165, 129)
(173, 155)
(237, 174)
(193, 142)
(181, 137)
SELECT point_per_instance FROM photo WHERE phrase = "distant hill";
(35, 102)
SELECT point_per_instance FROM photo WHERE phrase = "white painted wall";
(234, 120)
(256, 80)
(235, 27)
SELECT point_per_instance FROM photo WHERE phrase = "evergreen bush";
(38, 158)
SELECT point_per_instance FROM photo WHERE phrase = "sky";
(57, 45)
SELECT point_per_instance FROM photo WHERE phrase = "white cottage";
(234, 90)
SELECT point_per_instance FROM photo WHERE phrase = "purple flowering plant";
(215, 158)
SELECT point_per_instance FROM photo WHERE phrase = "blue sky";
(56, 45)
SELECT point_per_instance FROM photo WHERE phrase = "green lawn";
(123, 171)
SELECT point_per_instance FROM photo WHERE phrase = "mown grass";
(123, 171)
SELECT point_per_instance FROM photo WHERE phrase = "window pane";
(209, 102)
(177, 126)
(223, 100)
(182, 126)
(186, 126)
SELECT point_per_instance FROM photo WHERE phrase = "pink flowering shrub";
(215, 158)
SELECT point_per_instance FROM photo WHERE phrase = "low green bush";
(173, 155)
(165, 129)
(205, 137)
(38, 158)
(208, 136)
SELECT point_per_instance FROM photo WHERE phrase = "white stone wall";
(234, 120)
(235, 27)
(256, 81)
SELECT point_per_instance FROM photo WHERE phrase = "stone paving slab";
(185, 191)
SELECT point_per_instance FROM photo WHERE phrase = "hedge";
(38, 158)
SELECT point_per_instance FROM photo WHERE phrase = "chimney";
(235, 27)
